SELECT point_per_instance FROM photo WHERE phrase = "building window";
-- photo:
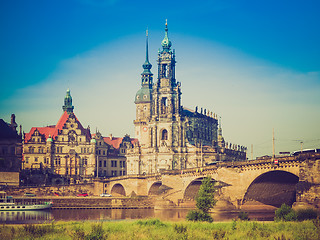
(104, 173)
(27, 159)
(104, 152)
(164, 105)
(164, 134)
(84, 161)
(104, 163)
(122, 164)
(59, 149)
(31, 150)
(36, 159)
(57, 161)
(100, 164)
(114, 173)
(113, 163)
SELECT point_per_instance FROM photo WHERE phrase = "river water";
(28, 217)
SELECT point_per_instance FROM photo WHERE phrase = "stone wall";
(67, 190)
(308, 188)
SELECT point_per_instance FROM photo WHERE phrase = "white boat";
(8, 204)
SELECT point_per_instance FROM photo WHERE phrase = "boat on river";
(8, 204)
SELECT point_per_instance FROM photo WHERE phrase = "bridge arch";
(118, 190)
(192, 189)
(273, 188)
(155, 188)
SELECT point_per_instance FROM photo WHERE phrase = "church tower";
(143, 100)
(166, 100)
(171, 136)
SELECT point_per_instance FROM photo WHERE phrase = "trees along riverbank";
(156, 229)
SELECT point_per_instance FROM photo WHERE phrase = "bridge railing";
(234, 164)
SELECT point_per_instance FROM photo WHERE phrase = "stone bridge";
(294, 179)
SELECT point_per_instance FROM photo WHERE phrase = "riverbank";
(156, 229)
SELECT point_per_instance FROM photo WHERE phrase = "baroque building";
(170, 135)
(110, 154)
(64, 149)
(70, 150)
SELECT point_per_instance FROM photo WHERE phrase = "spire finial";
(147, 65)
(220, 129)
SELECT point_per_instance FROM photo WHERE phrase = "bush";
(243, 215)
(198, 215)
(306, 214)
(38, 230)
(97, 233)
(179, 228)
(151, 222)
(285, 213)
(78, 234)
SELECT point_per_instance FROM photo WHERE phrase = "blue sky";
(255, 63)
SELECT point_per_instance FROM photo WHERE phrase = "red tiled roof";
(113, 141)
(116, 141)
(53, 130)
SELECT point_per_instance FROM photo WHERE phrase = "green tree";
(205, 197)
(205, 201)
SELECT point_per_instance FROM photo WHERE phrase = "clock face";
(145, 129)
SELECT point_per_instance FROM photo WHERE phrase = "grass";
(156, 229)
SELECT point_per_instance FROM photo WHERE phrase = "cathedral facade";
(171, 136)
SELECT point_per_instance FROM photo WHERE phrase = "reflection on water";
(20, 217)
(23, 217)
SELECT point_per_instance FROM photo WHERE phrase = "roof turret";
(67, 107)
(49, 139)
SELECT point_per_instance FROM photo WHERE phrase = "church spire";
(147, 65)
(166, 43)
(67, 107)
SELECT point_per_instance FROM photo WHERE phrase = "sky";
(253, 63)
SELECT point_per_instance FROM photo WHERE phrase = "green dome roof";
(166, 43)
(143, 95)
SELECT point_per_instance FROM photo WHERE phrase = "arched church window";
(164, 134)
(164, 103)
(165, 70)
